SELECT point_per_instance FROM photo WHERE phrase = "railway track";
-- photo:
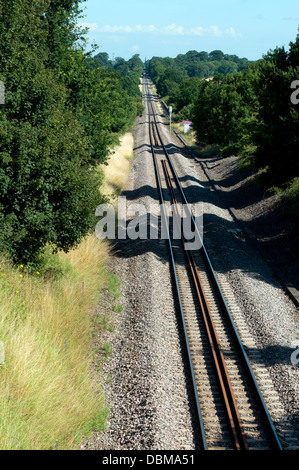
(230, 408)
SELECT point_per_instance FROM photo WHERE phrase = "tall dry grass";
(116, 172)
(47, 391)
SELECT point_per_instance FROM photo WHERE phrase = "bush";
(59, 119)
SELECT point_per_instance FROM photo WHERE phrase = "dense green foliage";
(126, 74)
(251, 114)
(178, 80)
(126, 95)
(59, 119)
(246, 112)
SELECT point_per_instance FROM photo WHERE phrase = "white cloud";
(213, 31)
(232, 32)
(115, 29)
(172, 29)
(145, 29)
(198, 31)
(134, 48)
(128, 29)
(90, 26)
(292, 17)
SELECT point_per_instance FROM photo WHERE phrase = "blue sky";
(247, 28)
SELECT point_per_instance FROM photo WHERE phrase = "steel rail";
(159, 185)
(215, 281)
(230, 404)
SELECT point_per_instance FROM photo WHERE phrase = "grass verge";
(190, 138)
(116, 172)
(49, 390)
(290, 193)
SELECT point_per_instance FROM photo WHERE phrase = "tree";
(294, 52)
(228, 67)
(188, 92)
(276, 132)
(250, 113)
(222, 111)
(216, 55)
(101, 60)
(48, 191)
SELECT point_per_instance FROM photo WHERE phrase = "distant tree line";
(246, 112)
(127, 74)
(177, 78)
(62, 114)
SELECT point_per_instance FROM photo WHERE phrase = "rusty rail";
(231, 408)
(233, 416)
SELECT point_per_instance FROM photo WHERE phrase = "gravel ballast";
(146, 379)
(147, 394)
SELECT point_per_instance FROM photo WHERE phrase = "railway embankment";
(252, 238)
(146, 384)
(268, 219)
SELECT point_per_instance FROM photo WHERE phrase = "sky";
(166, 28)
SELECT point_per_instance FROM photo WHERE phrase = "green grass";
(291, 194)
(108, 350)
(47, 393)
(190, 138)
(207, 150)
(114, 289)
(114, 286)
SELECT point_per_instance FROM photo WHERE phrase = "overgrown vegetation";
(47, 390)
(179, 79)
(116, 171)
(246, 112)
(61, 115)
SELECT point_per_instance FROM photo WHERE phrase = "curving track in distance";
(230, 408)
